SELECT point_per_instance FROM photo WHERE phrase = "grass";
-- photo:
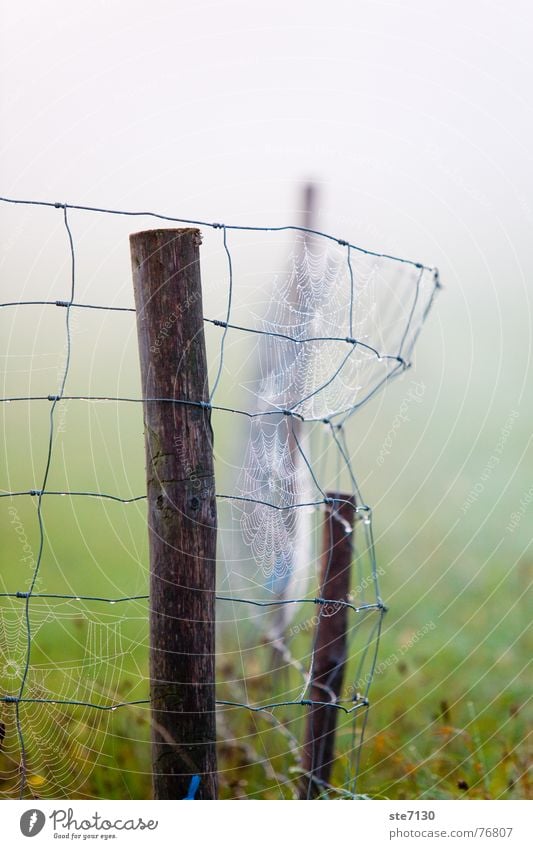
(441, 724)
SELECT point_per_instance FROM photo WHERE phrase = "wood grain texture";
(181, 510)
(330, 644)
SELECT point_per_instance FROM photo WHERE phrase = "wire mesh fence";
(293, 353)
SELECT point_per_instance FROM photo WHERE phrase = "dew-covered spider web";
(64, 750)
(302, 329)
(334, 342)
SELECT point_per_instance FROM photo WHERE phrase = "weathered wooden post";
(330, 644)
(181, 509)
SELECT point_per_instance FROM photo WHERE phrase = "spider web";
(270, 476)
(338, 325)
(59, 755)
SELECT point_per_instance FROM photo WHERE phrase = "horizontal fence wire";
(335, 421)
(293, 228)
(256, 602)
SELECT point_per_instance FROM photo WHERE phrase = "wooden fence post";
(181, 510)
(330, 644)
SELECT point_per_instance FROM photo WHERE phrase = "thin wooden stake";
(330, 644)
(181, 510)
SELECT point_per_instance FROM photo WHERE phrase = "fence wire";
(317, 399)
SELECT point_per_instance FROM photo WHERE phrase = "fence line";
(335, 421)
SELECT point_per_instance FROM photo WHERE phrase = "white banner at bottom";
(123, 824)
